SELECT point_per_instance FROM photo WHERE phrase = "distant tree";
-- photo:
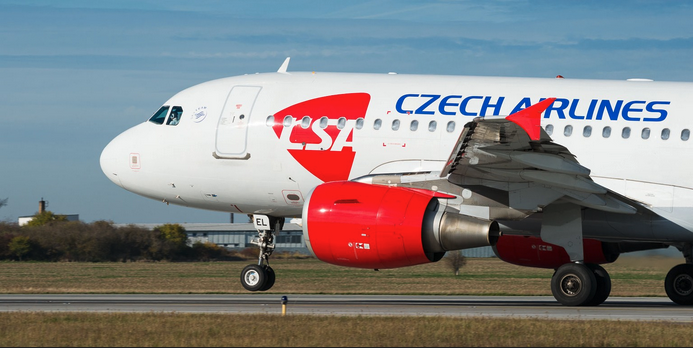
(20, 246)
(455, 260)
(173, 233)
(46, 218)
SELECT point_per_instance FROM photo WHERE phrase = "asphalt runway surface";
(541, 307)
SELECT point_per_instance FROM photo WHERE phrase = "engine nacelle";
(373, 226)
(531, 251)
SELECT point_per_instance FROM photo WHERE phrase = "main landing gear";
(260, 276)
(678, 283)
(577, 284)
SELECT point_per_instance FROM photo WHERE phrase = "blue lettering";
(444, 103)
(422, 109)
(663, 113)
(463, 105)
(605, 105)
(590, 110)
(629, 108)
(562, 108)
(559, 109)
(523, 104)
(400, 101)
(487, 103)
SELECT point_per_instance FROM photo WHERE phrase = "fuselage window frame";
(450, 127)
(160, 115)
(666, 133)
(606, 132)
(305, 122)
(174, 116)
(549, 129)
(359, 123)
(587, 131)
(645, 134)
(288, 121)
(568, 130)
(625, 133)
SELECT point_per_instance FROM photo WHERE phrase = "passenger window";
(323, 122)
(587, 131)
(549, 129)
(359, 123)
(450, 127)
(606, 132)
(378, 122)
(395, 125)
(665, 133)
(685, 134)
(288, 120)
(568, 130)
(174, 118)
(341, 123)
(625, 133)
(414, 125)
(159, 116)
(645, 134)
(305, 122)
(432, 126)
(270, 121)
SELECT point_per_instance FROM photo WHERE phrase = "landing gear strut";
(260, 276)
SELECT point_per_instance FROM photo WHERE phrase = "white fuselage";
(235, 151)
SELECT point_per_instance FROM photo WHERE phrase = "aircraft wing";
(515, 154)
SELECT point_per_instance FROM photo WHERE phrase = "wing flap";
(500, 152)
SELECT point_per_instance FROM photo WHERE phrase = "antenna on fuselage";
(285, 65)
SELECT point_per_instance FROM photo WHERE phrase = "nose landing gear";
(260, 276)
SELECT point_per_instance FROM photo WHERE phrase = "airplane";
(394, 170)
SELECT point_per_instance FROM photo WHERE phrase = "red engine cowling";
(531, 251)
(373, 226)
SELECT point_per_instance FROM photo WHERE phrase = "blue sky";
(74, 74)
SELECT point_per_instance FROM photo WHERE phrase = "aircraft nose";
(109, 161)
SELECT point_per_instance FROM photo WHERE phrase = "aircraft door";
(232, 129)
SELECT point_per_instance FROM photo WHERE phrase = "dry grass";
(480, 276)
(213, 330)
(630, 277)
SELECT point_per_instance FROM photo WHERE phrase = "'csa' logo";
(319, 133)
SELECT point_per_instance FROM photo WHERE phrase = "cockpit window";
(174, 118)
(160, 115)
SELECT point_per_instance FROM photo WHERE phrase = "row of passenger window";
(305, 122)
(625, 132)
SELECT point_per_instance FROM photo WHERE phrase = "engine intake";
(373, 226)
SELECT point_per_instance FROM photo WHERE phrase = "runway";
(542, 307)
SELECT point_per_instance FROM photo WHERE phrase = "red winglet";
(530, 118)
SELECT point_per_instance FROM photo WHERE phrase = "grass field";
(480, 276)
(630, 277)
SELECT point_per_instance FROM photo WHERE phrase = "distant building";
(238, 236)
(23, 220)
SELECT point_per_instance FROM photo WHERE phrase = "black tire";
(603, 285)
(270, 279)
(253, 277)
(573, 284)
(679, 284)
